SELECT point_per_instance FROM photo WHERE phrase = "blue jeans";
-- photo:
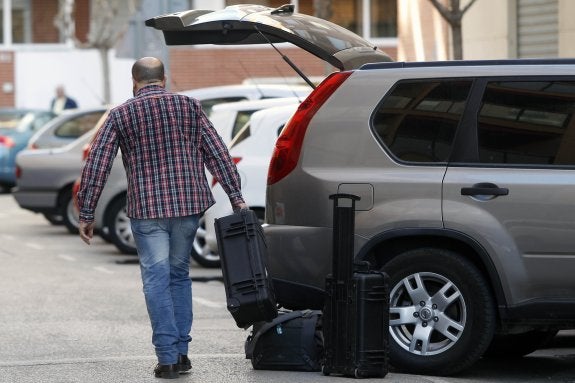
(164, 247)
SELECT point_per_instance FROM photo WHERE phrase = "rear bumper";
(8, 175)
(37, 201)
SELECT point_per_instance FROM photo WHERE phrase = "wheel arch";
(63, 190)
(385, 246)
(122, 194)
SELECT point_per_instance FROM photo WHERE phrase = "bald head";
(148, 70)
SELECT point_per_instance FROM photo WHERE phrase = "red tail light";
(288, 145)
(236, 160)
(18, 172)
(7, 142)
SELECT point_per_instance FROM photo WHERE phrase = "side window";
(418, 119)
(527, 122)
(241, 119)
(241, 135)
(77, 126)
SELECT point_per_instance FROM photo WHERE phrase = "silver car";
(45, 178)
(466, 176)
(65, 128)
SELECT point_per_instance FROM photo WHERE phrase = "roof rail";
(423, 64)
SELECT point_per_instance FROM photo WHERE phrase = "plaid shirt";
(165, 140)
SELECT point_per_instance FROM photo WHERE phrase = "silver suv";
(466, 173)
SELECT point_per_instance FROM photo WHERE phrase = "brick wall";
(191, 67)
(7, 79)
(43, 29)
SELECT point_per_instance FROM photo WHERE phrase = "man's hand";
(86, 231)
(241, 206)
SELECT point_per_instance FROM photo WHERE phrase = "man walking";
(165, 140)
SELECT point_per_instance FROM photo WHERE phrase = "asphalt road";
(75, 313)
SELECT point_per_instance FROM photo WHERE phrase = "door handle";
(484, 188)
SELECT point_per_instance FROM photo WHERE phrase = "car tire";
(518, 345)
(440, 299)
(54, 219)
(105, 235)
(119, 228)
(201, 253)
(68, 212)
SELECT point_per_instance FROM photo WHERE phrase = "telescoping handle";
(343, 231)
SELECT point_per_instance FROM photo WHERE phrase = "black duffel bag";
(292, 342)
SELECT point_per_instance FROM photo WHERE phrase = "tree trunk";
(103, 51)
(456, 35)
(322, 9)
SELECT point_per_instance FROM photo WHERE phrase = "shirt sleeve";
(104, 149)
(217, 158)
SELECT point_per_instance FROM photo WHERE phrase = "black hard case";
(243, 254)
(356, 312)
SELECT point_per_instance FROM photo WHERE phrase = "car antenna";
(255, 82)
(288, 84)
(287, 60)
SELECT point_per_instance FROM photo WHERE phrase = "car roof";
(256, 104)
(256, 24)
(249, 91)
(272, 116)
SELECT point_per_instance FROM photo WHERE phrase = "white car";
(230, 118)
(251, 149)
(110, 215)
(213, 95)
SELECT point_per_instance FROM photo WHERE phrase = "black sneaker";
(184, 363)
(166, 371)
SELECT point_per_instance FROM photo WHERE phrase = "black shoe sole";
(184, 368)
(167, 375)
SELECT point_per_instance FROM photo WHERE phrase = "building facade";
(35, 56)
(492, 29)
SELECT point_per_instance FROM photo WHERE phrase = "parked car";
(67, 127)
(45, 178)
(465, 174)
(110, 215)
(230, 118)
(214, 95)
(16, 128)
(251, 150)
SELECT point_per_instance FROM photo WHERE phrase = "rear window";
(527, 122)
(417, 120)
(79, 125)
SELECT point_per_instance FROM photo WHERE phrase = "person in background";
(62, 101)
(166, 142)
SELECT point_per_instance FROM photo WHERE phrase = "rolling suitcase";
(356, 312)
(243, 253)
